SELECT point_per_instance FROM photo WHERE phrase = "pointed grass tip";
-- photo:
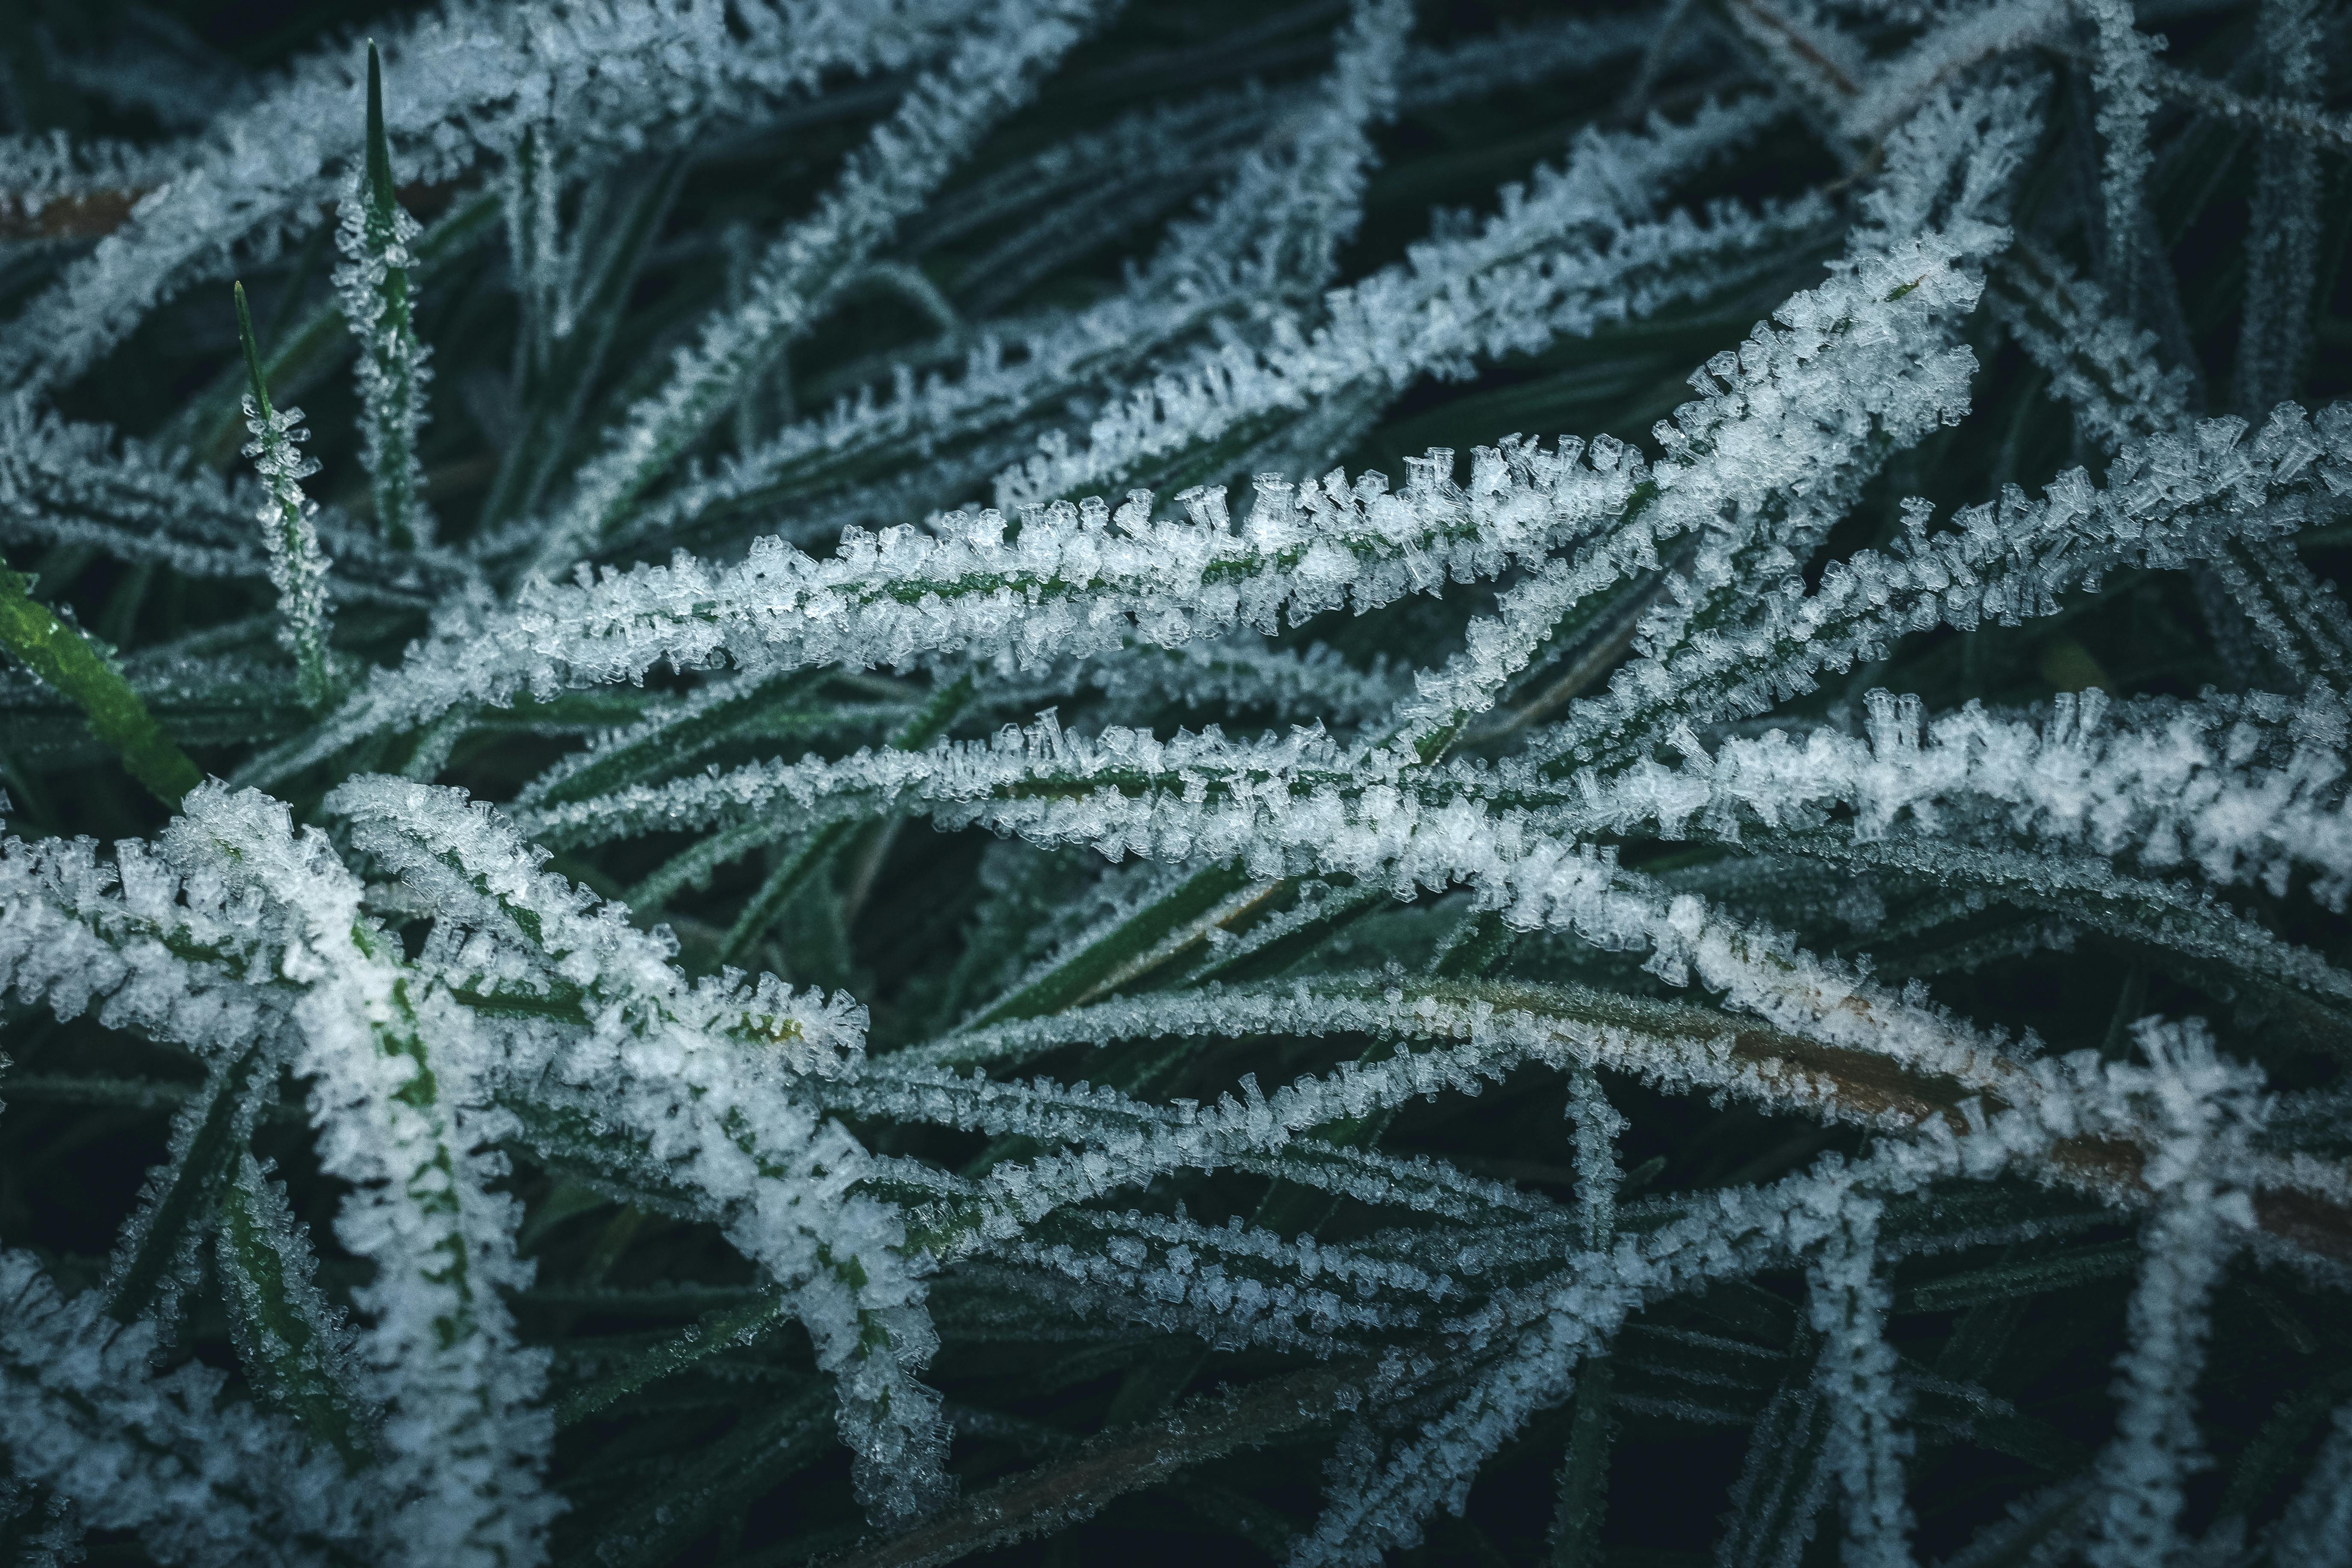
(252, 351)
(379, 146)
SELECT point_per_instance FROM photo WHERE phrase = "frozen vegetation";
(863, 851)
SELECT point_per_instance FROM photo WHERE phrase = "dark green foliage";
(693, 1425)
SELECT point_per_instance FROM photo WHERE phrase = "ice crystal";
(883, 834)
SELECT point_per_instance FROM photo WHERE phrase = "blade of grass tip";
(728, 1328)
(213, 427)
(373, 283)
(78, 667)
(378, 149)
(298, 567)
(255, 383)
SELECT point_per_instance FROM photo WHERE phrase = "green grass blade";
(158, 1248)
(296, 566)
(728, 1328)
(1093, 968)
(1782, 1485)
(73, 664)
(376, 289)
(815, 855)
(1583, 1487)
(724, 1478)
(292, 1343)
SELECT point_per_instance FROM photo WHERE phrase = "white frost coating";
(2283, 242)
(1098, 576)
(1848, 1302)
(2106, 368)
(2209, 1109)
(1120, 1141)
(395, 1069)
(1300, 806)
(1960, 38)
(1766, 480)
(1756, 471)
(1528, 1340)
(1080, 578)
(619, 73)
(58, 168)
(2125, 77)
(393, 366)
(477, 868)
(82, 936)
(1562, 260)
(1234, 1285)
(67, 483)
(534, 1014)
(201, 1482)
(1138, 162)
(298, 566)
(1821, 63)
(1301, 684)
(2180, 787)
(1597, 1125)
(1295, 198)
(1532, 272)
(2242, 792)
(705, 1074)
(943, 117)
(1531, 1340)
(1481, 1032)
(1375, 343)
(2168, 501)
(2124, 396)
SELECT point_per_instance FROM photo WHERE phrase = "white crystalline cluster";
(1574, 764)
(136, 1450)
(394, 374)
(82, 934)
(690, 1072)
(989, 75)
(298, 566)
(66, 483)
(395, 1065)
(615, 70)
(1075, 580)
